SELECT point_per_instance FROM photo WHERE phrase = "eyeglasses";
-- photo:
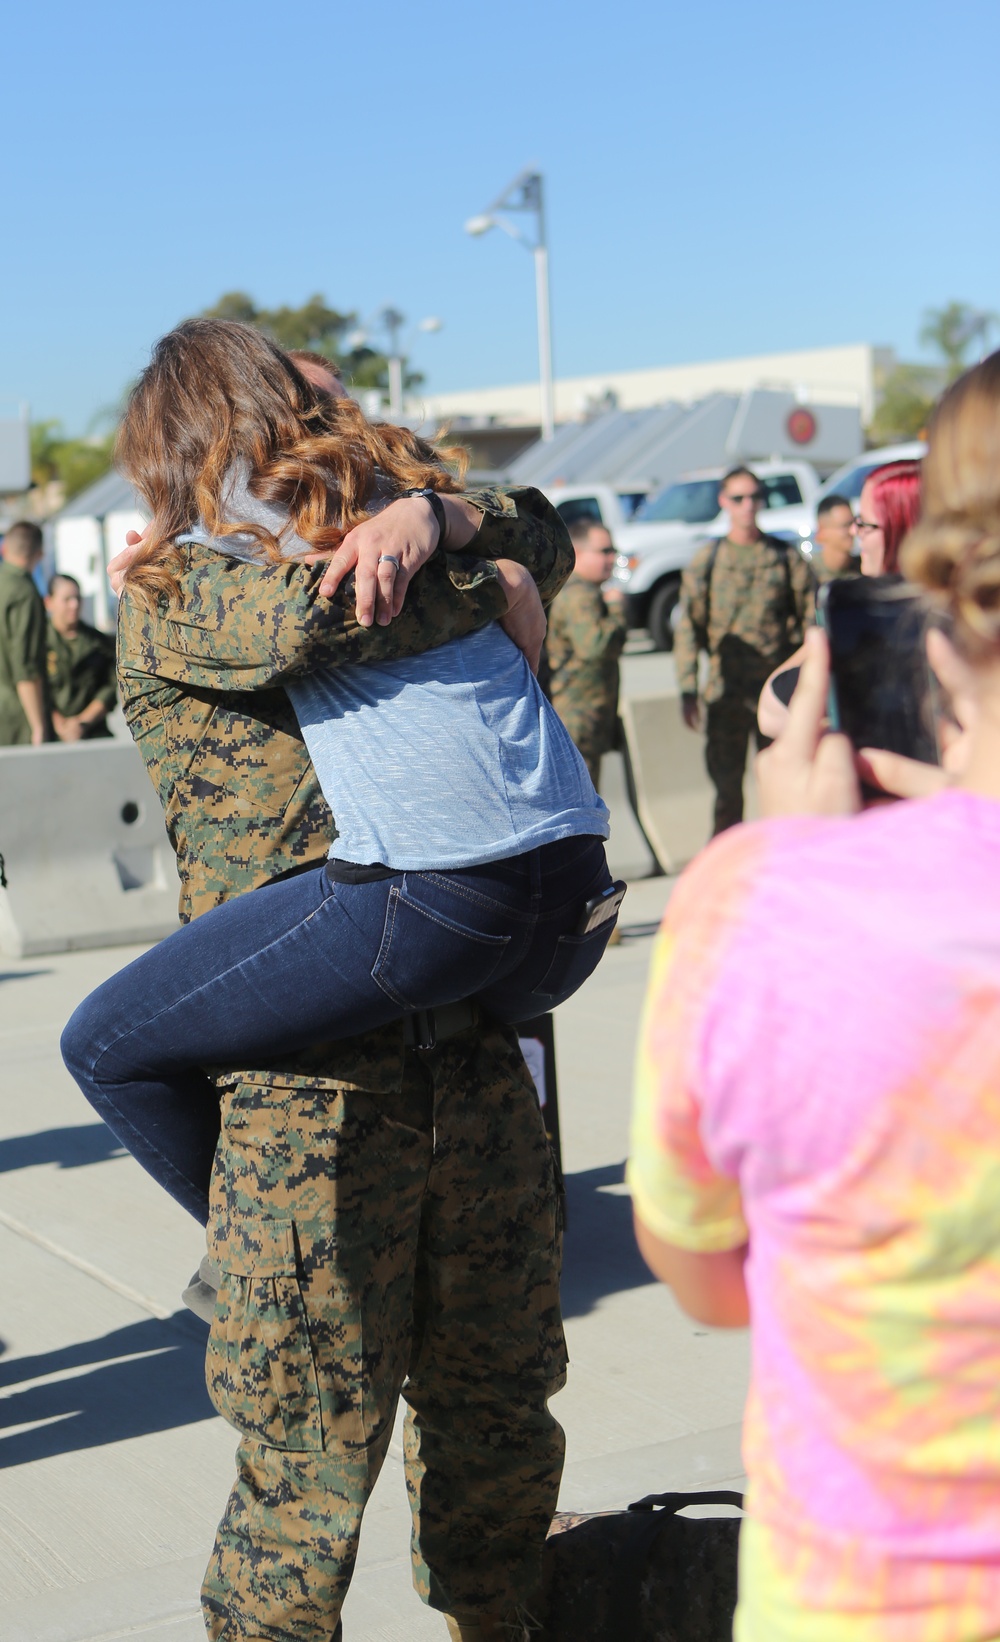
(746, 496)
(863, 526)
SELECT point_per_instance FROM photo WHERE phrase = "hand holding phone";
(881, 687)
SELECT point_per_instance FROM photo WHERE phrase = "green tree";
(908, 393)
(76, 463)
(953, 330)
(318, 328)
(905, 403)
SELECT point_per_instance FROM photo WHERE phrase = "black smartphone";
(601, 907)
(881, 687)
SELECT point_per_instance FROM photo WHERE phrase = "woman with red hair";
(890, 507)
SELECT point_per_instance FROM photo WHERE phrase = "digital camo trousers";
(372, 1245)
(730, 723)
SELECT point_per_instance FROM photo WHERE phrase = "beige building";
(840, 376)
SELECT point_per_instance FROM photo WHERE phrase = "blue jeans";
(305, 960)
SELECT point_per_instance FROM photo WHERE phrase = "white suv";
(669, 527)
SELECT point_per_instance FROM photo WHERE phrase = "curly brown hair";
(954, 551)
(216, 393)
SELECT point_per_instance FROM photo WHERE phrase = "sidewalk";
(116, 1468)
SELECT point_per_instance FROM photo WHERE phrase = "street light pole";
(394, 321)
(541, 254)
(526, 193)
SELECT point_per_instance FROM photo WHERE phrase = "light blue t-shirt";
(452, 758)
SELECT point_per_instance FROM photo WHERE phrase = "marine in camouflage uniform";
(22, 648)
(822, 573)
(583, 644)
(385, 1218)
(81, 671)
(834, 541)
(747, 605)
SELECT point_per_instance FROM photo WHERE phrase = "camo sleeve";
(522, 524)
(248, 627)
(803, 587)
(691, 634)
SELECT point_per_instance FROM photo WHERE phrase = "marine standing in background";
(81, 666)
(745, 600)
(834, 538)
(585, 639)
(24, 720)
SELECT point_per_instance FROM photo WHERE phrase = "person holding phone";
(889, 507)
(825, 1165)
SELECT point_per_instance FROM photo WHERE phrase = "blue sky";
(722, 178)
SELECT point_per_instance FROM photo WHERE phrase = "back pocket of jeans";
(573, 962)
(427, 959)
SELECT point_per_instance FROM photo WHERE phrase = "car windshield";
(692, 502)
(781, 490)
(850, 484)
(580, 507)
(631, 501)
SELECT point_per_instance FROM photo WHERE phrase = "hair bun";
(958, 561)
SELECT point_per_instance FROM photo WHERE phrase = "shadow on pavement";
(71, 1148)
(639, 932)
(600, 1255)
(22, 974)
(118, 1398)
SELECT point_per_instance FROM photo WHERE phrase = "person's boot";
(203, 1290)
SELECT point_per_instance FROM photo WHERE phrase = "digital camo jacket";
(81, 670)
(584, 643)
(748, 609)
(200, 685)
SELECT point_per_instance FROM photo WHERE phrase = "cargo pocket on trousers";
(260, 1369)
(427, 959)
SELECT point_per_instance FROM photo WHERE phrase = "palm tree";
(953, 329)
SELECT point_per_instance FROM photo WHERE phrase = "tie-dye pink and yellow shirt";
(820, 1071)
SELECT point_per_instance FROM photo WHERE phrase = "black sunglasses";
(746, 496)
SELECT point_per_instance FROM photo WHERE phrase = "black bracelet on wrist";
(437, 508)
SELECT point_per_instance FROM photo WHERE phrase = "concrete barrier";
(628, 853)
(87, 859)
(674, 795)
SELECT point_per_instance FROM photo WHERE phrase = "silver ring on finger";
(387, 558)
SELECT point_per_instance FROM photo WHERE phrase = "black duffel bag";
(643, 1575)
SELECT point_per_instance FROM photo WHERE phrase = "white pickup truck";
(657, 535)
(608, 505)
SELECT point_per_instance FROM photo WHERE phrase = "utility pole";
(527, 193)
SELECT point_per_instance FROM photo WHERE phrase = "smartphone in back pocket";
(882, 691)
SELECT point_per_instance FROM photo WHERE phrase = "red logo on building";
(801, 426)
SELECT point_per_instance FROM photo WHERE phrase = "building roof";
(112, 494)
(644, 449)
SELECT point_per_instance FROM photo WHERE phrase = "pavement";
(116, 1467)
